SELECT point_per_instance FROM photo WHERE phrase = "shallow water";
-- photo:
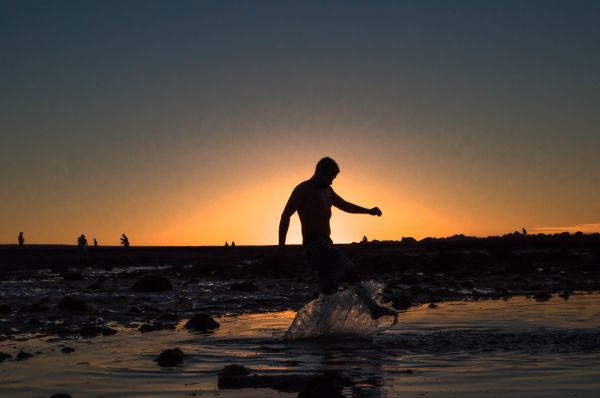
(519, 347)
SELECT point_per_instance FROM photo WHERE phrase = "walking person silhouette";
(312, 199)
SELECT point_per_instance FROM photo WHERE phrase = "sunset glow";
(196, 134)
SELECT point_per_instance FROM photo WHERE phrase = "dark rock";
(5, 308)
(542, 296)
(169, 316)
(134, 310)
(72, 276)
(70, 303)
(152, 283)
(35, 322)
(90, 331)
(234, 370)
(244, 287)
(61, 395)
(201, 322)
(408, 241)
(106, 331)
(565, 295)
(283, 383)
(170, 357)
(4, 356)
(35, 307)
(96, 330)
(24, 354)
(329, 385)
(68, 350)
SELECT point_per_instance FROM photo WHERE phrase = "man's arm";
(348, 207)
(290, 208)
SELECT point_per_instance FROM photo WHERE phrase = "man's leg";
(375, 309)
(340, 268)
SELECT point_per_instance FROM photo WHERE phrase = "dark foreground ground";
(64, 291)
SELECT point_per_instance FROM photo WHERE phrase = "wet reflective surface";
(519, 347)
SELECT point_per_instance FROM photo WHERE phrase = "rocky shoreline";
(90, 293)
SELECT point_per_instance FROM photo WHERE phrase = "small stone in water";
(542, 296)
(24, 354)
(70, 303)
(202, 322)
(4, 356)
(170, 357)
(234, 370)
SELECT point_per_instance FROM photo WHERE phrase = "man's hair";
(327, 165)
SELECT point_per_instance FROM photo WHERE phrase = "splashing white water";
(342, 314)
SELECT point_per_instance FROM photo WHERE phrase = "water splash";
(342, 314)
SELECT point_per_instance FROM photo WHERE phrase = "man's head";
(325, 172)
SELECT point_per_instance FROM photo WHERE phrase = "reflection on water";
(492, 348)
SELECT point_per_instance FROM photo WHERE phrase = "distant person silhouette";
(124, 240)
(95, 243)
(232, 244)
(82, 242)
(226, 244)
(364, 239)
(21, 239)
(312, 199)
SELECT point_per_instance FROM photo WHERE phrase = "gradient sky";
(190, 122)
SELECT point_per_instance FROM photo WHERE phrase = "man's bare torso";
(314, 209)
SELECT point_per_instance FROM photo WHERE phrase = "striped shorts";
(333, 266)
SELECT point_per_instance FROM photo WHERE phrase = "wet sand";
(480, 317)
(520, 346)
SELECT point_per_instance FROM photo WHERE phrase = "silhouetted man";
(124, 240)
(95, 243)
(82, 242)
(312, 199)
(21, 239)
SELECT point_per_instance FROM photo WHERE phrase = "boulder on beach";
(71, 303)
(202, 322)
(67, 350)
(169, 317)
(24, 355)
(542, 296)
(329, 385)
(170, 357)
(96, 330)
(4, 356)
(234, 370)
(152, 283)
(38, 306)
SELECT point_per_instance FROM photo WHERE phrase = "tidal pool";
(518, 347)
